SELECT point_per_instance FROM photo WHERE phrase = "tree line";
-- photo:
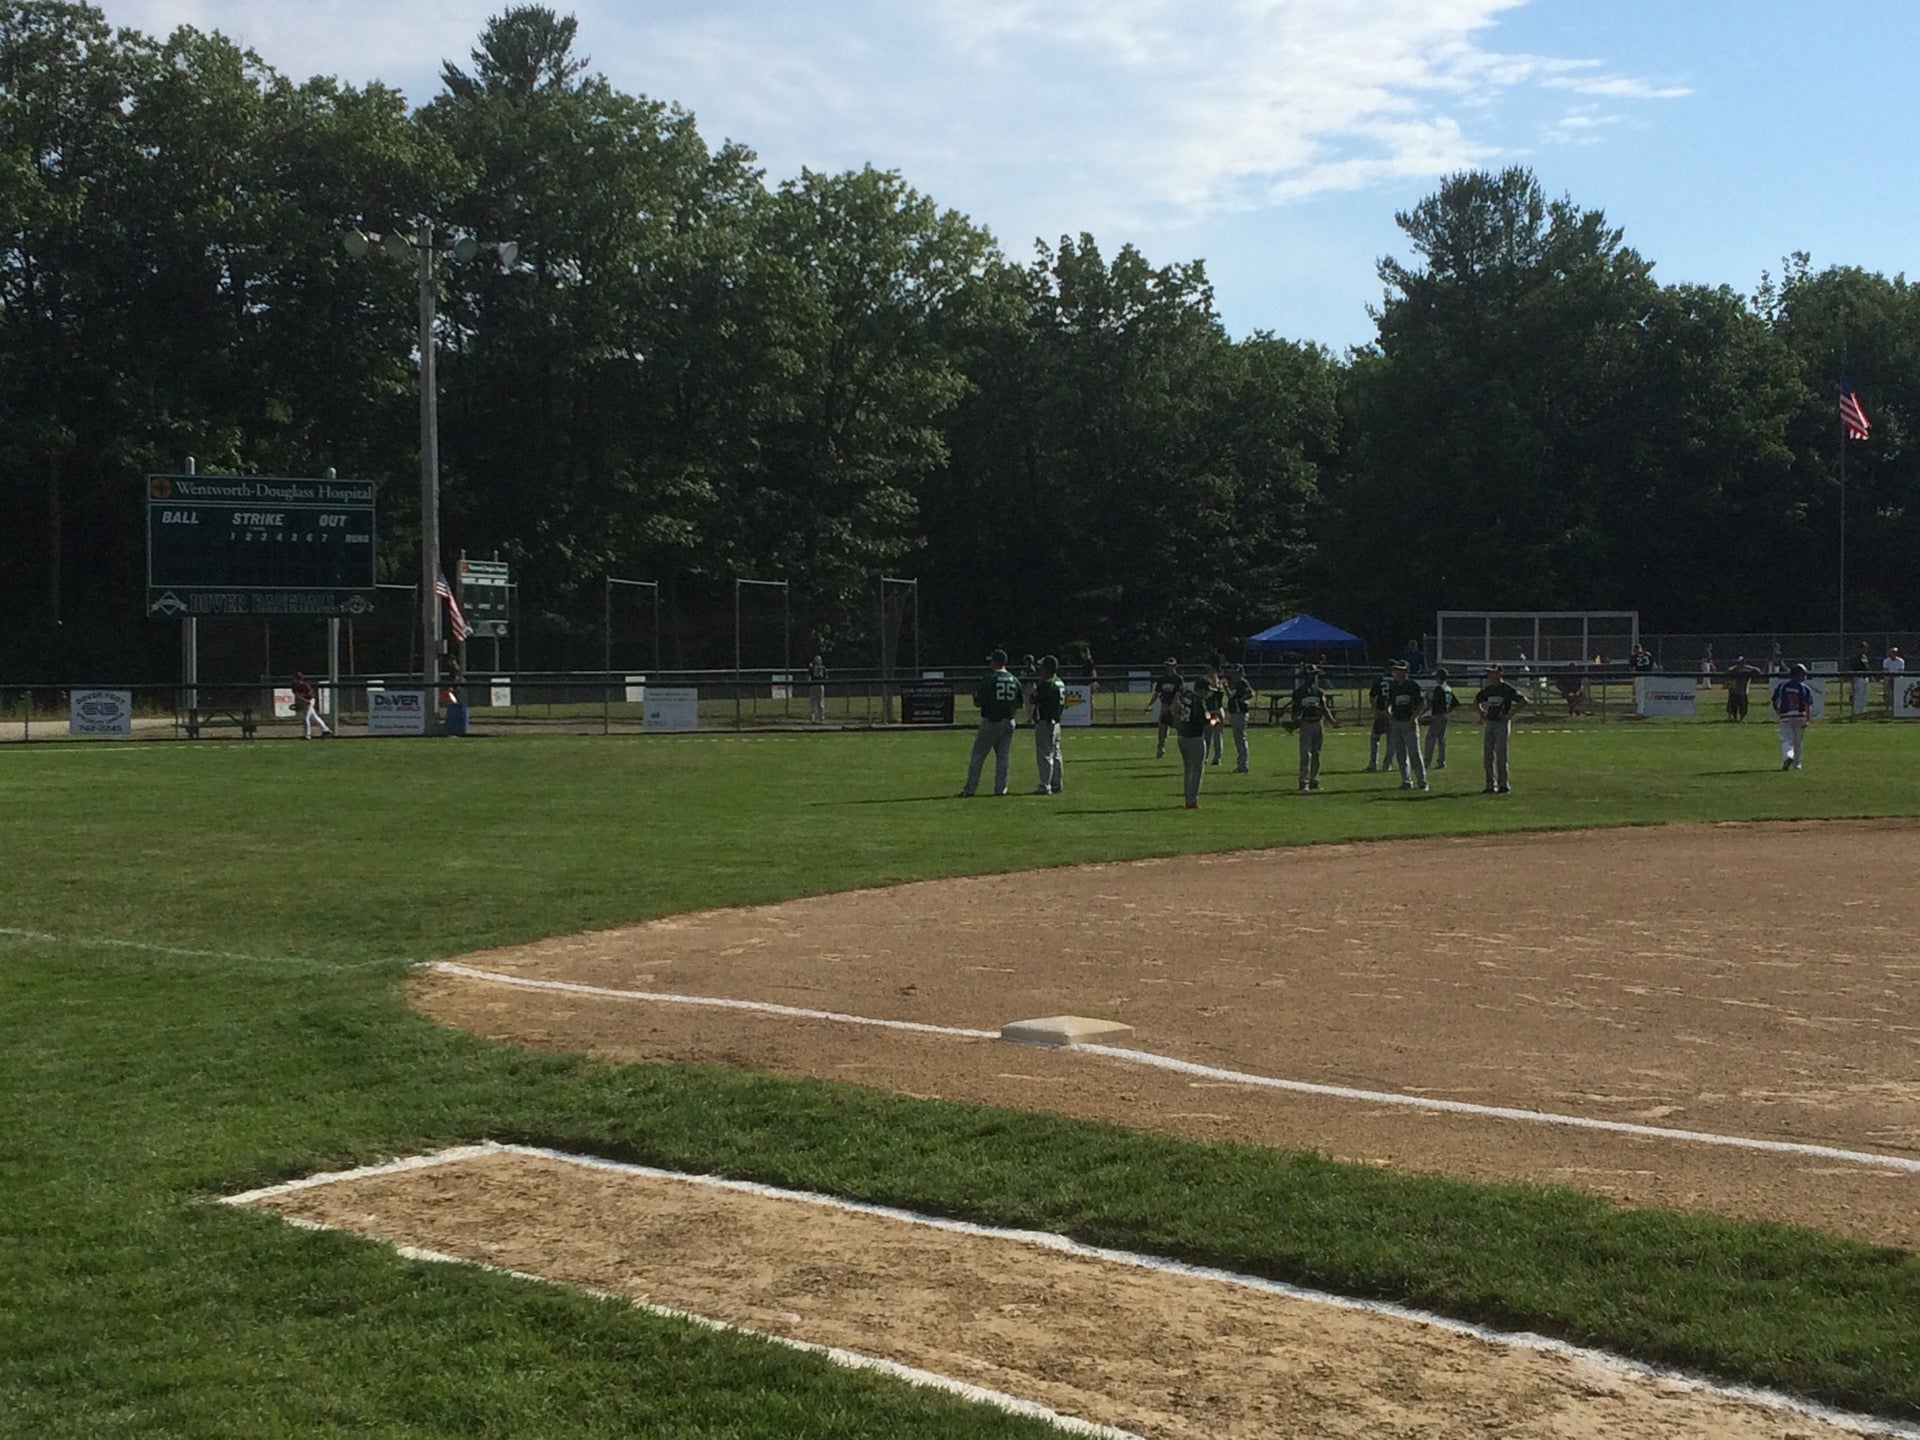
(692, 372)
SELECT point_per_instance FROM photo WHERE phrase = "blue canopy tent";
(1306, 634)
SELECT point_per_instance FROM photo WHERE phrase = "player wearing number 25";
(998, 695)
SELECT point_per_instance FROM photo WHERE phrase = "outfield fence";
(630, 703)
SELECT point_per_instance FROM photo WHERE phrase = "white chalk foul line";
(762, 1007)
(1802, 1149)
(1520, 1340)
(10, 932)
(833, 1354)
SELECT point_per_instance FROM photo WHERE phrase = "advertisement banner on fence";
(100, 712)
(500, 694)
(1906, 697)
(283, 704)
(926, 702)
(396, 712)
(1079, 711)
(1662, 697)
(671, 707)
(636, 689)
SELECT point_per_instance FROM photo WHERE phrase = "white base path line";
(1240, 1077)
(1519, 1340)
(762, 1007)
(833, 1354)
(10, 932)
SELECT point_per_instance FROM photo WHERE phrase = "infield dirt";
(1748, 980)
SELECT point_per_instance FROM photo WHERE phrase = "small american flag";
(456, 617)
(1852, 417)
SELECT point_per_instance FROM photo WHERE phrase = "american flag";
(456, 617)
(1852, 418)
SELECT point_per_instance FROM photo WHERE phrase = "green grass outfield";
(292, 881)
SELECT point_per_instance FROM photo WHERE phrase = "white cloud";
(1135, 119)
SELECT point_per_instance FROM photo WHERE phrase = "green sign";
(258, 545)
(486, 592)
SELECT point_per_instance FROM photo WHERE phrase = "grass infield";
(291, 882)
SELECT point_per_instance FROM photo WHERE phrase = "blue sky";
(1274, 139)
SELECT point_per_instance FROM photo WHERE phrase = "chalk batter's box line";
(1146, 1058)
(1061, 1244)
(833, 1354)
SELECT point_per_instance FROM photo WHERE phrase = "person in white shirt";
(1894, 666)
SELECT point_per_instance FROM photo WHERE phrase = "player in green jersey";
(998, 695)
(1049, 705)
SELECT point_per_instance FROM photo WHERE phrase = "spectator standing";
(1862, 680)
(998, 696)
(1416, 658)
(1496, 702)
(1894, 667)
(1706, 662)
(1049, 705)
(1793, 703)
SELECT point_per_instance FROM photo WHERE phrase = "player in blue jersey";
(1793, 703)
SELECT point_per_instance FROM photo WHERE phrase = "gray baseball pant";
(1046, 752)
(1435, 748)
(1215, 743)
(1378, 733)
(1166, 724)
(1793, 737)
(1403, 751)
(997, 736)
(1193, 758)
(1239, 722)
(1493, 751)
(1311, 733)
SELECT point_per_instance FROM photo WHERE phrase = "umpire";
(998, 695)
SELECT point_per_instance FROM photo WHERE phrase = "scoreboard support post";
(190, 644)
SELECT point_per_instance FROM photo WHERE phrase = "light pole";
(424, 244)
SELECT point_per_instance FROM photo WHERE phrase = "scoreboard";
(253, 545)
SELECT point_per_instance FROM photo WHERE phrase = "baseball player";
(1217, 707)
(1049, 704)
(998, 696)
(1239, 706)
(1406, 703)
(1793, 703)
(1441, 702)
(817, 699)
(306, 701)
(1377, 697)
(1194, 720)
(1167, 688)
(1309, 709)
(1496, 703)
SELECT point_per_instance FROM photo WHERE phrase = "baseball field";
(1628, 1059)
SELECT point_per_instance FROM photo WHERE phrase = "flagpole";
(1843, 541)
